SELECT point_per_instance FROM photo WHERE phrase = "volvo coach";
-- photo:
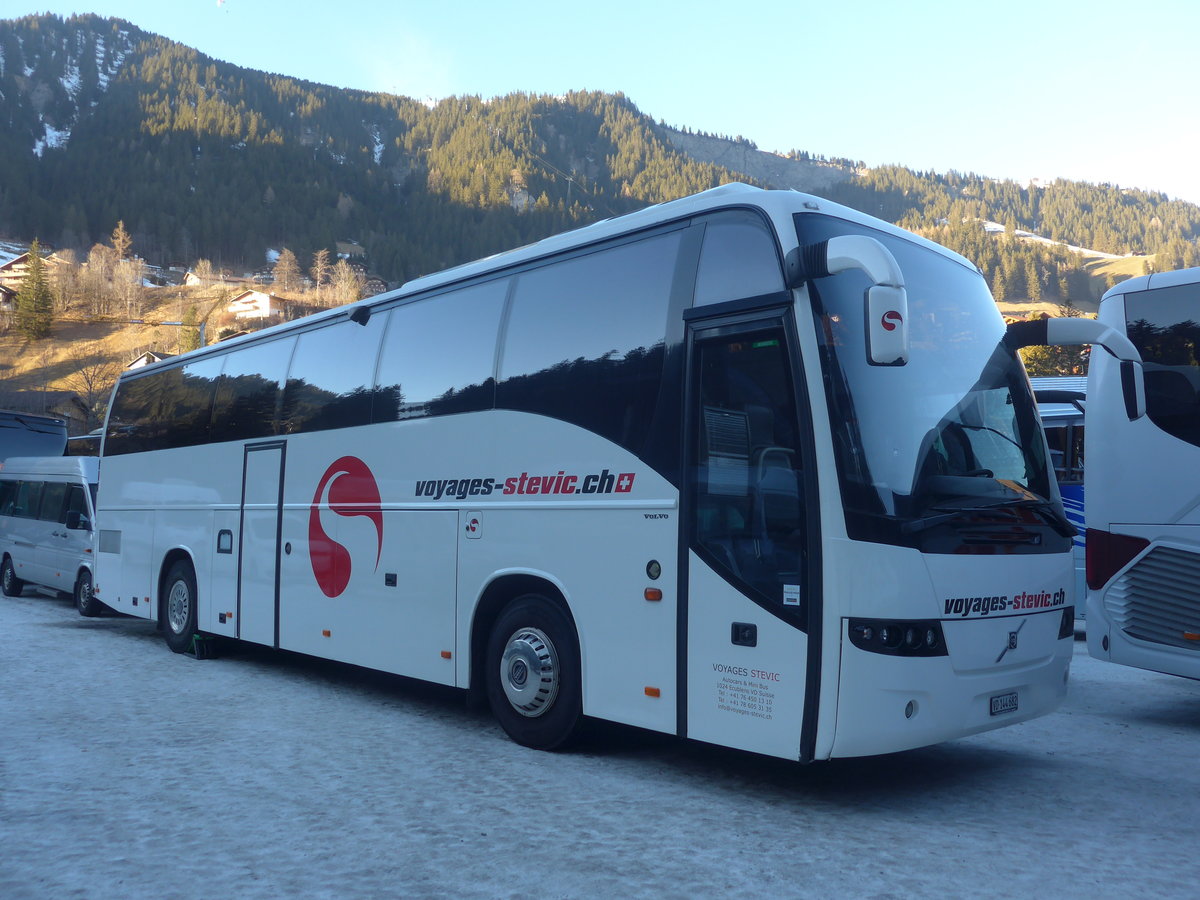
(747, 467)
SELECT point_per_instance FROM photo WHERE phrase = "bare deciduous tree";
(347, 283)
(92, 378)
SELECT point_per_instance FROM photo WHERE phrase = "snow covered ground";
(129, 772)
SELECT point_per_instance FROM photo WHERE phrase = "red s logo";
(890, 320)
(347, 488)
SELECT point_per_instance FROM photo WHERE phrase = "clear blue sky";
(1093, 90)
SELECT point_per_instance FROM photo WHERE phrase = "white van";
(47, 516)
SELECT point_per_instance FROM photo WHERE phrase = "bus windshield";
(948, 438)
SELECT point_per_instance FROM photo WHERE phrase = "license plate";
(1004, 703)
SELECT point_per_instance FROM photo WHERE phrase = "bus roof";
(779, 206)
(1156, 280)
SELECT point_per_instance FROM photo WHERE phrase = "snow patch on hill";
(997, 228)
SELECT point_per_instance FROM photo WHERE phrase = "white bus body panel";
(1165, 510)
(595, 549)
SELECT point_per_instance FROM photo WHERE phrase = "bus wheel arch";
(524, 631)
(177, 601)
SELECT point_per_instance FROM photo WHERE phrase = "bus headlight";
(898, 638)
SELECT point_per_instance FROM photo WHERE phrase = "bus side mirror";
(77, 521)
(1070, 331)
(886, 301)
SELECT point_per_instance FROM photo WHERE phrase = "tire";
(10, 584)
(85, 601)
(533, 674)
(177, 612)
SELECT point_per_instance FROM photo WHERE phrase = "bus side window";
(8, 497)
(332, 376)
(54, 502)
(76, 503)
(29, 498)
(739, 259)
(584, 339)
(439, 353)
(246, 403)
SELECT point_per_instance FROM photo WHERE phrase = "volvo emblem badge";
(1012, 640)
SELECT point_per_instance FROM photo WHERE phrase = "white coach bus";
(747, 467)
(1143, 515)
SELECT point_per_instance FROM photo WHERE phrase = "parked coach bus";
(1060, 400)
(1143, 545)
(747, 467)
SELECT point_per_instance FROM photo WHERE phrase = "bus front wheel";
(85, 598)
(533, 674)
(178, 613)
(9, 582)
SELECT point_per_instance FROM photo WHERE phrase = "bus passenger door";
(750, 529)
(258, 556)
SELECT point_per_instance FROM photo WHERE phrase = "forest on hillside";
(101, 122)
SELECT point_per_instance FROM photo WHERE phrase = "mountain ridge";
(201, 158)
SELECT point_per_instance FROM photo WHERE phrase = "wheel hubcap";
(179, 605)
(529, 672)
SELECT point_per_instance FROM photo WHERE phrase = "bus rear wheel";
(9, 582)
(85, 599)
(533, 674)
(177, 614)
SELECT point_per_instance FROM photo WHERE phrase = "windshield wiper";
(950, 513)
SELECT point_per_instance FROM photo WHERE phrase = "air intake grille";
(1159, 598)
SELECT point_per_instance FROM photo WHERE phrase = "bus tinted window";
(584, 340)
(331, 376)
(134, 418)
(1164, 324)
(29, 498)
(738, 259)
(8, 497)
(247, 397)
(188, 395)
(438, 354)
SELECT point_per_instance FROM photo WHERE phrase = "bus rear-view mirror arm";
(885, 301)
(1071, 331)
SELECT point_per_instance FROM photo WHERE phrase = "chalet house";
(13, 272)
(257, 305)
(374, 285)
(147, 358)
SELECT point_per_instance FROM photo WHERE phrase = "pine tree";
(189, 332)
(35, 303)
